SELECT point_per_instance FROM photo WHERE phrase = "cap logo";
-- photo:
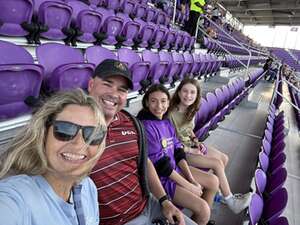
(120, 66)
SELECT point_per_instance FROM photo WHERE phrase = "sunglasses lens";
(97, 138)
(64, 131)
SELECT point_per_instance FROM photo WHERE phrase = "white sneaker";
(238, 202)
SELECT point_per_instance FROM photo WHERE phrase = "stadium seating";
(20, 80)
(64, 67)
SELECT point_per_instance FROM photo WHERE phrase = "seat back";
(13, 14)
(255, 209)
(56, 15)
(260, 181)
(64, 67)
(19, 79)
(97, 54)
(139, 69)
(275, 205)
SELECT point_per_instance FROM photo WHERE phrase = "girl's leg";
(186, 199)
(215, 153)
(208, 181)
(236, 203)
(216, 165)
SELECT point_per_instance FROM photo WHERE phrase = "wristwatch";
(163, 198)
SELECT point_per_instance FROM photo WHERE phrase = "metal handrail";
(243, 47)
(236, 41)
(174, 11)
(285, 98)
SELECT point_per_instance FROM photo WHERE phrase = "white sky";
(278, 36)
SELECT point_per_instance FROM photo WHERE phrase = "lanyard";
(78, 205)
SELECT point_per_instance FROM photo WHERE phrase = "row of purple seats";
(75, 20)
(180, 17)
(163, 67)
(285, 57)
(295, 97)
(270, 199)
(232, 62)
(62, 67)
(254, 78)
(215, 48)
(216, 105)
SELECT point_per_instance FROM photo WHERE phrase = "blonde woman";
(51, 159)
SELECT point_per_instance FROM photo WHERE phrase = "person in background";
(196, 10)
(183, 107)
(51, 159)
(124, 173)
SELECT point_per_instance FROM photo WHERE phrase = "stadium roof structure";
(264, 12)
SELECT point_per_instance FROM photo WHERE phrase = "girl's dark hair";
(154, 88)
(192, 109)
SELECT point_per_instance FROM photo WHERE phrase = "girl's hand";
(195, 151)
(195, 189)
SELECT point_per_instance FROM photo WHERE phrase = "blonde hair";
(26, 154)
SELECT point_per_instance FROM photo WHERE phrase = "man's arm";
(169, 210)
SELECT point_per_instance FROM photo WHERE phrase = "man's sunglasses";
(66, 131)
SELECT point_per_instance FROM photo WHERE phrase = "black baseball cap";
(112, 67)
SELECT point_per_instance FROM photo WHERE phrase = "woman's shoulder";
(17, 180)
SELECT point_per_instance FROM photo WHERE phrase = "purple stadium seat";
(150, 14)
(129, 31)
(213, 104)
(169, 40)
(188, 64)
(277, 149)
(174, 68)
(275, 205)
(196, 65)
(55, 17)
(64, 67)
(158, 36)
(178, 58)
(276, 181)
(263, 161)
(140, 70)
(178, 45)
(128, 6)
(266, 146)
(280, 221)
(277, 163)
(260, 181)
(201, 115)
(268, 136)
(96, 54)
(161, 18)
(14, 14)
(158, 68)
(220, 98)
(112, 26)
(146, 32)
(113, 5)
(20, 79)
(140, 11)
(86, 21)
(255, 209)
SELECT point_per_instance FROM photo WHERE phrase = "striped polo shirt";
(115, 175)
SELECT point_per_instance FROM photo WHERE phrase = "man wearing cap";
(124, 172)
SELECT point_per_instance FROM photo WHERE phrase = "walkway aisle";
(239, 136)
(292, 141)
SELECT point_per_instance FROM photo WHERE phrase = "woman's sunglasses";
(66, 131)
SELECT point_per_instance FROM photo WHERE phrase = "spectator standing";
(196, 9)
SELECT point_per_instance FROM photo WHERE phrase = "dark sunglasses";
(66, 131)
